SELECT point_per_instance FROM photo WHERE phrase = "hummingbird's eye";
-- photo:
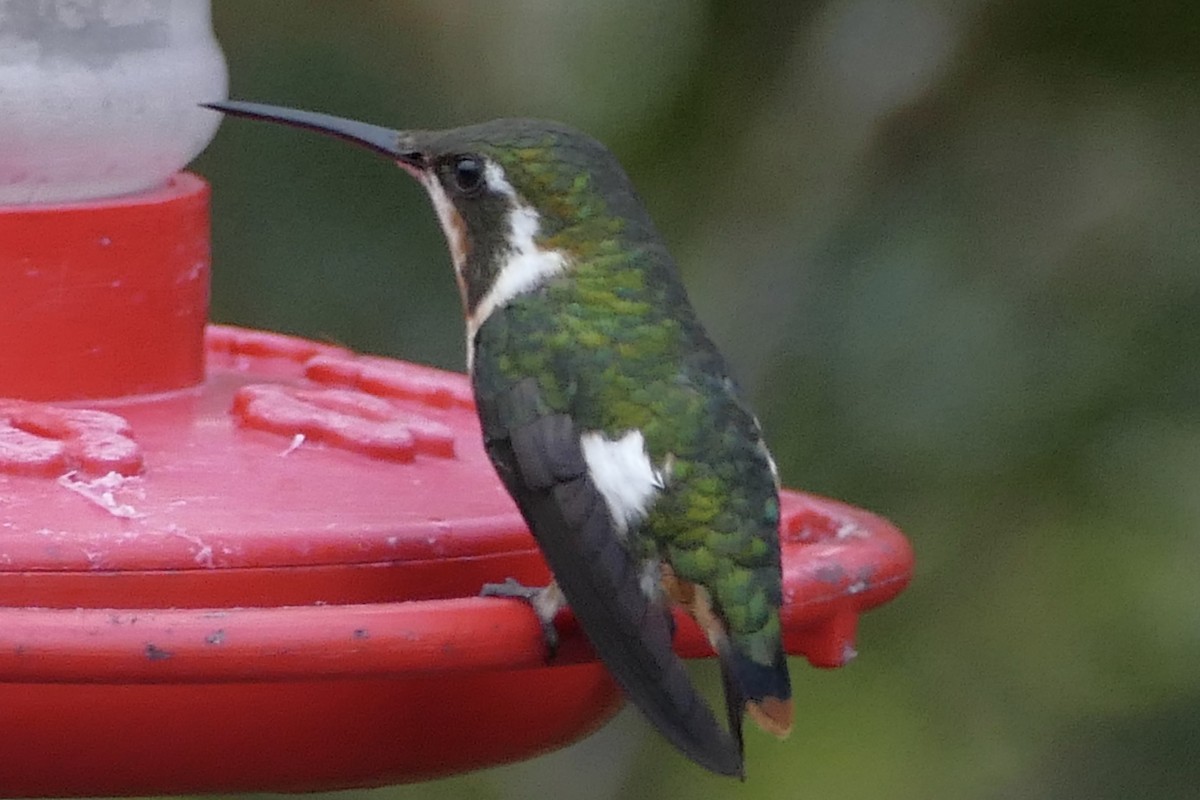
(468, 174)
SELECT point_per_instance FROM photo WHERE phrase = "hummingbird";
(608, 414)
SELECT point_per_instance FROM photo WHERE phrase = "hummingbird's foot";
(546, 601)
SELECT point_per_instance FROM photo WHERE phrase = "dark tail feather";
(631, 634)
(735, 705)
(764, 691)
(541, 463)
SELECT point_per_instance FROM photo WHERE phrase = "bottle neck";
(105, 298)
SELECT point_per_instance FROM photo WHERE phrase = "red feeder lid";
(267, 580)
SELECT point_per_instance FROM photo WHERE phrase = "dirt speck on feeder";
(297, 440)
(156, 653)
(832, 573)
(101, 492)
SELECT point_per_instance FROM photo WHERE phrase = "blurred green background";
(952, 248)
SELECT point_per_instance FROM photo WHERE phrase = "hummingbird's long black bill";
(393, 144)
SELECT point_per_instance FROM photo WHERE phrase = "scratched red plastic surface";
(236, 493)
(233, 557)
(268, 581)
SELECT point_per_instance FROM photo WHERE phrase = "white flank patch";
(622, 472)
(766, 452)
(650, 580)
(762, 448)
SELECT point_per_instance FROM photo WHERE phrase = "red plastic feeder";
(238, 561)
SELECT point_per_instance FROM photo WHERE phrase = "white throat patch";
(622, 473)
(452, 222)
(528, 266)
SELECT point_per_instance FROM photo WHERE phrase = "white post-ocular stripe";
(493, 175)
(622, 473)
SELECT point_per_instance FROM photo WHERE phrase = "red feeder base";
(249, 610)
(267, 581)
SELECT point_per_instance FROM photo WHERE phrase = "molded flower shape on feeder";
(49, 441)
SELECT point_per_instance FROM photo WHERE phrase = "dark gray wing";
(538, 456)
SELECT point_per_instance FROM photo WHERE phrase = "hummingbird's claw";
(544, 600)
